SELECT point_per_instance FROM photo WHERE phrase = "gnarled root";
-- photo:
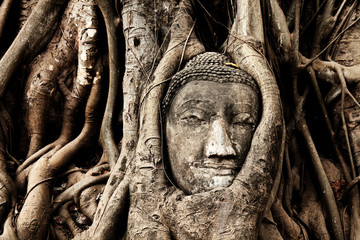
(107, 138)
(52, 68)
(87, 39)
(35, 34)
(311, 213)
(7, 187)
(37, 203)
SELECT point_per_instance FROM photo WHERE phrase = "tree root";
(311, 213)
(268, 229)
(158, 210)
(4, 13)
(329, 198)
(112, 23)
(245, 45)
(138, 34)
(87, 38)
(46, 167)
(59, 233)
(8, 191)
(74, 191)
(51, 69)
(105, 225)
(9, 228)
(35, 34)
(88, 200)
(289, 228)
(328, 195)
(64, 212)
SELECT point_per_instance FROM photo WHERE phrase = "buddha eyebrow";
(194, 103)
(235, 107)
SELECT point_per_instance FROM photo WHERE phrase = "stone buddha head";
(210, 113)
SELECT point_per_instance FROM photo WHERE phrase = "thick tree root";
(75, 99)
(46, 167)
(73, 192)
(8, 191)
(35, 34)
(53, 67)
(4, 13)
(112, 23)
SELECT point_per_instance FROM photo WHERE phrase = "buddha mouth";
(223, 167)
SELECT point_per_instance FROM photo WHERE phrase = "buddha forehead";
(212, 97)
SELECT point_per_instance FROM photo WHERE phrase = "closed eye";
(244, 119)
(193, 116)
(191, 119)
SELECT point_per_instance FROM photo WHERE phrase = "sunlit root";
(245, 45)
(40, 94)
(138, 35)
(182, 46)
(138, 197)
(7, 195)
(325, 24)
(279, 29)
(9, 229)
(326, 71)
(52, 68)
(87, 39)
(37, 203)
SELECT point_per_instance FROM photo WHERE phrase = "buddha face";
(209, 128)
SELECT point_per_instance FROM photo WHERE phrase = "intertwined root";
(7, 186)
(51, 70)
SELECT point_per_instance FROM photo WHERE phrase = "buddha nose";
(219, 143)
